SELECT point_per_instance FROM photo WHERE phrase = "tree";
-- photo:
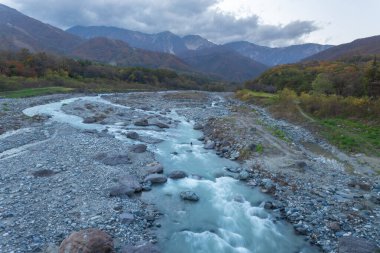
(322, 84)
(373, 79)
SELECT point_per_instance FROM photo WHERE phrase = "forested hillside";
(358, 76)
(21, 70)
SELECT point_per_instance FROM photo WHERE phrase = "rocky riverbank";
(57, 178)
(330, 197)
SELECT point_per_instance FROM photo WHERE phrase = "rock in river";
(156, 178)
(177, 174)
(87, 241)
(154, 169)
(189, 195)
(209, 145)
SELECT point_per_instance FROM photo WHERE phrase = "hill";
(361, 47)
(116, 52)
(18, 31)
(224, 62)
(276, 56)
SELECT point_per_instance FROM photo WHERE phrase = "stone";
(89, 120)
(156, 178)
(234, 170)
(209, 145)
(145, 248)
(202, 138)
(44, 173)
(87, 241)
(301, 164)
(268, 205)
(133, 135)
(197, 126)
(334, 226)
(361, 185)
(131, 182)
(126, 218)
(116, 160)
(189, 195)
(161, 125)
(244, 175)
(138, 148)
(235, 155)
(142, 122)
(121, 191)
(154, 169)
(350, 244)
(177, 174)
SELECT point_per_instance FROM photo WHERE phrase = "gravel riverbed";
(57, 178)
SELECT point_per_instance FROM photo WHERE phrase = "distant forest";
(356, 76)
(22, 70)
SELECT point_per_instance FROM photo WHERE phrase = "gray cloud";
(181, 17)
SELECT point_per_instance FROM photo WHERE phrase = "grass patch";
(257, 97)
(260, 148)
(352, 135)
(34, 92)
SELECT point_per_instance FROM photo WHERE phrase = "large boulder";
(87, 241)
(138, 148)
(161, 125)
(154, 169)
(142, 122)
(133, 135)
(156, 178)
(209, 145)
(177, 174)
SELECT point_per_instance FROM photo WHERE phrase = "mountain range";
(236, 61)
(168, 42)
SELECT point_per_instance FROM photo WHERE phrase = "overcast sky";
(264, 22)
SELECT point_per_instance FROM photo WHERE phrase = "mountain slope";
(19, 31)
(276, 56)
(117, 52)
(364, 47)
(223, 62)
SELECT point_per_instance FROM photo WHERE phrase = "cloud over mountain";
(182, 17)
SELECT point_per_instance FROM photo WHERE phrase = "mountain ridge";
(359, 47)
